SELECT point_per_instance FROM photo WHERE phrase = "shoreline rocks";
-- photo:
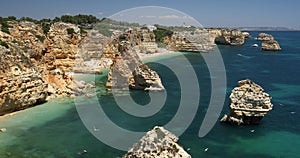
(268, 42)
(248, 104)
(157, 143)
(264, 37)
(127, 70)
(271, 45)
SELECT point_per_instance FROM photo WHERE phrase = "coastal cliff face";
(248, 104)
(227, 36)
(20, 84)
(127, 70)
(62, 44)
(34, 65)
(89, 57)
(143, 41)
(204, 40)
(190, 41)
(158, 143)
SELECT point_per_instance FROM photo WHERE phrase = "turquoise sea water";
(55, 130)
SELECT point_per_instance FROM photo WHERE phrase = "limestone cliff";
(34, 66)
(89, 57)
(21, 86)
(190, 41)
(265, 37)
(248, 104)
(157, 143)
(271, 45)
(268, 42)
(142, 39)
(127, 70)
(228, 36)
(62, 44)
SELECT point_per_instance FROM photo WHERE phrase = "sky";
(209, 13)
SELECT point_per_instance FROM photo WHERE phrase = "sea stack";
(265, 37)
(248, 104)
(268, 42)
(271, 45)
(157, 143)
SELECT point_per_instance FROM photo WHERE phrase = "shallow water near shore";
(54, 129)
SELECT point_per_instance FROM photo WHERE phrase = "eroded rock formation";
(35, 66)
(157, 143)
(271, 45)
(21, 86)
(190, 41)
(265, 37)
(268, 42)
(228, 36)
(248, 104)
(128, 71)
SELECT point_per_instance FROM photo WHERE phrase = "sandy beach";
(162, 52)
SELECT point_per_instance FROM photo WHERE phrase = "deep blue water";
(55, 129)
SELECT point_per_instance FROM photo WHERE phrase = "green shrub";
(4, 44)
(82, 30)
(46, 27)
(40, 38)
(70, 31)
(160, 33)
(5, 27)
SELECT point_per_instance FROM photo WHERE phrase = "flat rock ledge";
(157, 143)
(248, 104)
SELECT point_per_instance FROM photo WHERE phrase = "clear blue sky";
(210, 13)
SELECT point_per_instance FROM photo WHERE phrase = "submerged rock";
(271, 45)
(157, 143)
(248, 104)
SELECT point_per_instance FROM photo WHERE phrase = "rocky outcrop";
(228, 36)
(62, 44)
(265, 37)
(142, 41)
(21, 86)
(157, 143)
(190, 41)
(35, 67)
(248, 104)
(268, 42)
(128, 71)
(29, 36)
(89, 57)
(246, 35)
(271, 45)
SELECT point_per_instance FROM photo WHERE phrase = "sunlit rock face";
(127, 70)
(249, 103)
(157, 143)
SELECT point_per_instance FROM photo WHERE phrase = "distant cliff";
(204, 40)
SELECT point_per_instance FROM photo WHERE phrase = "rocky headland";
(127, 70)
(37, 62)
(204, 40)
(249, 103)
(35, 66)
(157, 143)
(268, 42)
